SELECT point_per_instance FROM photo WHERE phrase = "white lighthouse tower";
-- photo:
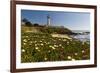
(48, 20)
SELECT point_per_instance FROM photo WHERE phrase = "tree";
(27, 22)
(36, 24)
(24, 20)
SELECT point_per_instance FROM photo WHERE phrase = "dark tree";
(27, 22)
(36, 24)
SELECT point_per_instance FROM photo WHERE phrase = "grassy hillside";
(39, 47)
(39, 44)
(44, 29)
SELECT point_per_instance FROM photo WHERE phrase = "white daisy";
(35, 44)
(53, 48)
(48, 43)
(45, 58)
(55, 45)
(59, 39)
(50, 46)
(26, 36)
(23, 50)
(31, 42)
(60, 45)
(64, 39)
(24, 43)
(76, 54)
(25, 40)
(40, 41)
(39, 50)
(36, 48)
(83, 51)
(73, 59)
(67, 42)
(69, 57)
(41, 44)
(35, 41)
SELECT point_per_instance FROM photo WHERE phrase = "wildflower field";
(41, 47)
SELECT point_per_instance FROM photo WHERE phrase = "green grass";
(36, 47)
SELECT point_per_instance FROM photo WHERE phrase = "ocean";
(81, 37)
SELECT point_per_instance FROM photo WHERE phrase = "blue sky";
(71, 20)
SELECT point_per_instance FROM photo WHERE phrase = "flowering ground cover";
(41, 47)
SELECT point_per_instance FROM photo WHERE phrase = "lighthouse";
(48, 20)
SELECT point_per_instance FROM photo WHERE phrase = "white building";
(48, 20)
